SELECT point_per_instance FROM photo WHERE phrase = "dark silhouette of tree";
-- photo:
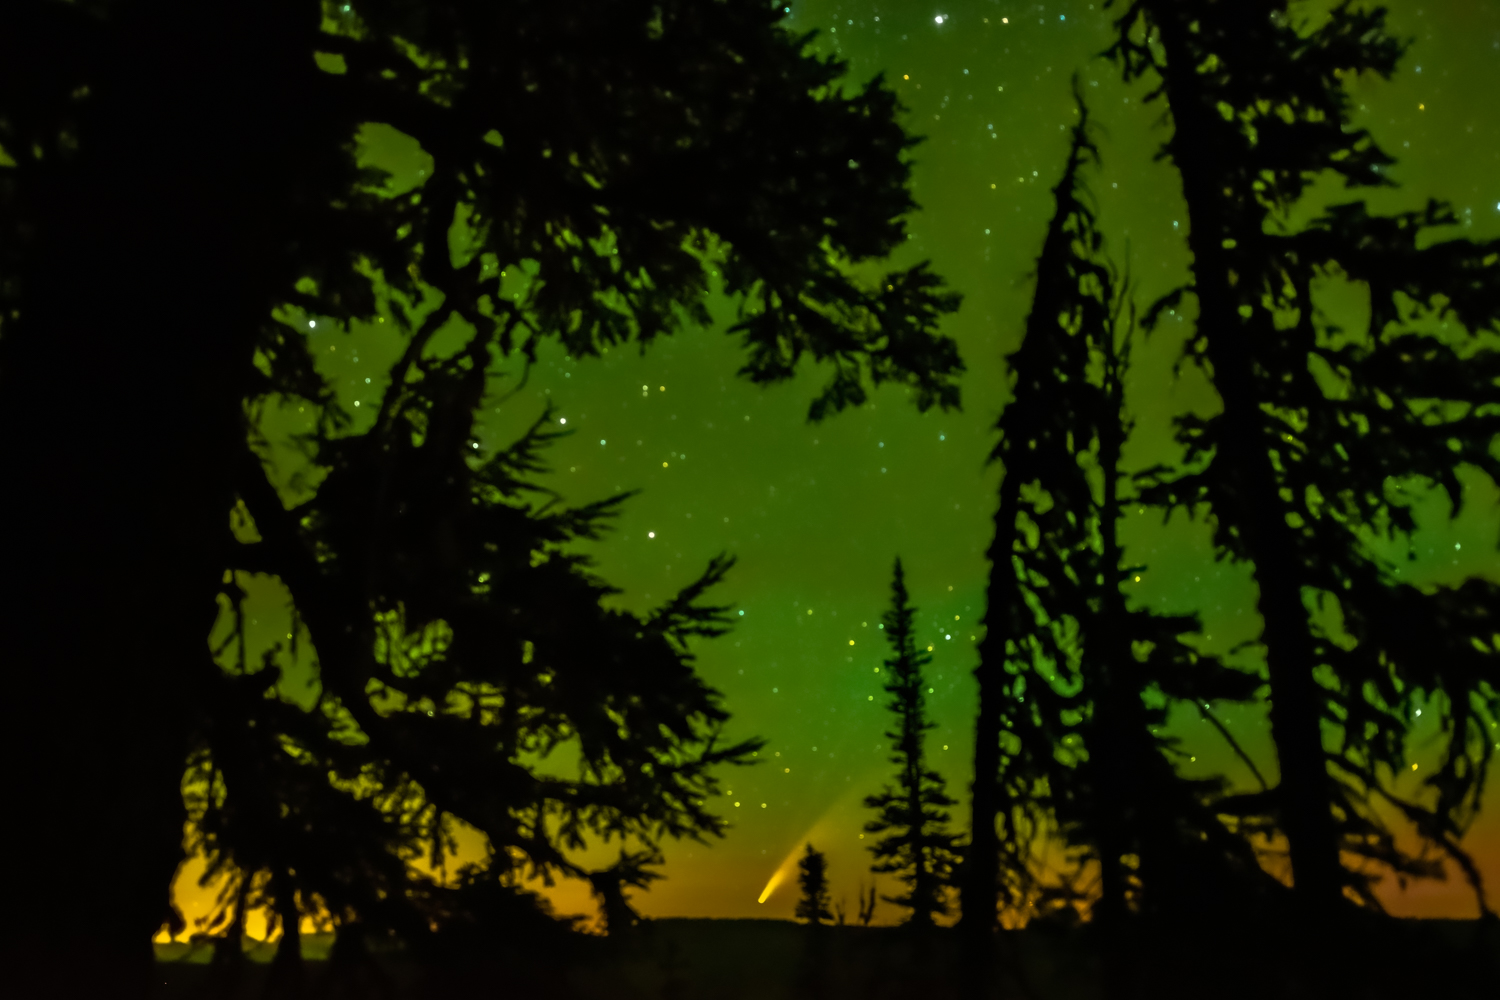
(620, 918)
(483, 652)
(1014, 739)
(609, 158)
(812, 878)
(1175, 854)
(919, 850)
(1327, 432)
(1070, 716)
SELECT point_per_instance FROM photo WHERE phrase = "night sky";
(816, 514)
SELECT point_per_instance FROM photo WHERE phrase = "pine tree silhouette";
(1019, 724)
(812, 878)
(919, 850)
(1317, 419)
(494, 625)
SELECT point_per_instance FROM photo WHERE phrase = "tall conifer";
(919, 850)
(1067, 744)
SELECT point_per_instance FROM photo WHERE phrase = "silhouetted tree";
(812, 878)
(1126, 800)
(1118, 794)
(1074, 685)
(620, 918)
(920, 849)
(287, 977)
(1015, 740)
(1321, 422)
(615, 155)
(1175, 854)
(485, 652)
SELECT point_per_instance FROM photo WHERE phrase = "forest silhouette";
(180, 190)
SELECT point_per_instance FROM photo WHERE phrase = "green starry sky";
(817, 513)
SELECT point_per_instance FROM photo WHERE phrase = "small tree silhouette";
(920, 851)
(813, 878)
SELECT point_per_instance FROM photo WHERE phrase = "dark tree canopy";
(917, 846)
(612, 159)
(480, 655)
(1328, 430)
(595, 168)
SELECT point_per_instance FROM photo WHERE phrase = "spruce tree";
(617, 156)
(918, 850)
(1320, 422)
(812, 878)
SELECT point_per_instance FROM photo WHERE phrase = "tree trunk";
(1117, 704)
(980, 884)
(287, 978)
(1243, 462)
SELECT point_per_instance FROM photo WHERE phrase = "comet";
(784, 870)
(820, 830)
(765, 893)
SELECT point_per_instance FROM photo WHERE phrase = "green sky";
(817, 513)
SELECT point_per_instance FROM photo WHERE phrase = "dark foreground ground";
(693, 959)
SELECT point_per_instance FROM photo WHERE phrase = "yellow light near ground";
(770, 887)
(821, 830)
